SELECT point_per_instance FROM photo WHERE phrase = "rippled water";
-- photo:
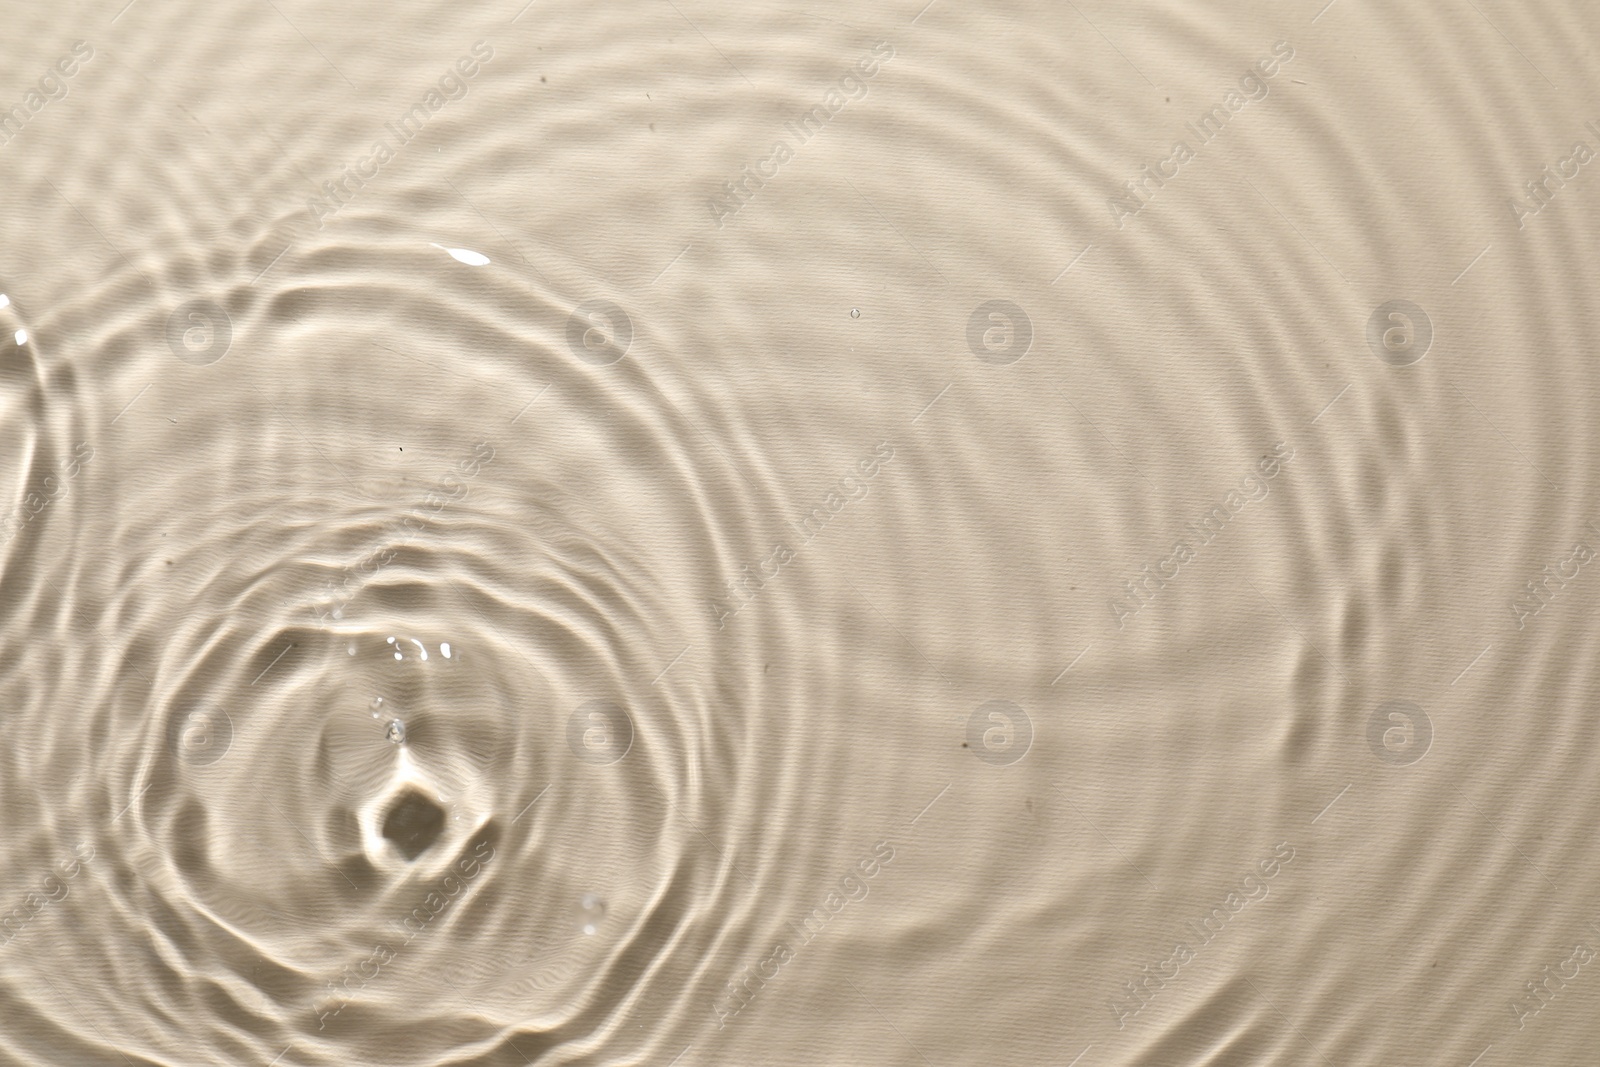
(694, 533)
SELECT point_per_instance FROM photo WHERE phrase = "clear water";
(695, 533)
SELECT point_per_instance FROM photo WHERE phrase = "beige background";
(798, 538)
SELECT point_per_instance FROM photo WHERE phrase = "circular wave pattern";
(584, 536)
(375, 731)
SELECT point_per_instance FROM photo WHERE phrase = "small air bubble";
(855, 313)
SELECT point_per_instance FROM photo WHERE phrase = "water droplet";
(855, 313)
(444, 650)
(377, 706)
(591, 910)
(396, 732)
